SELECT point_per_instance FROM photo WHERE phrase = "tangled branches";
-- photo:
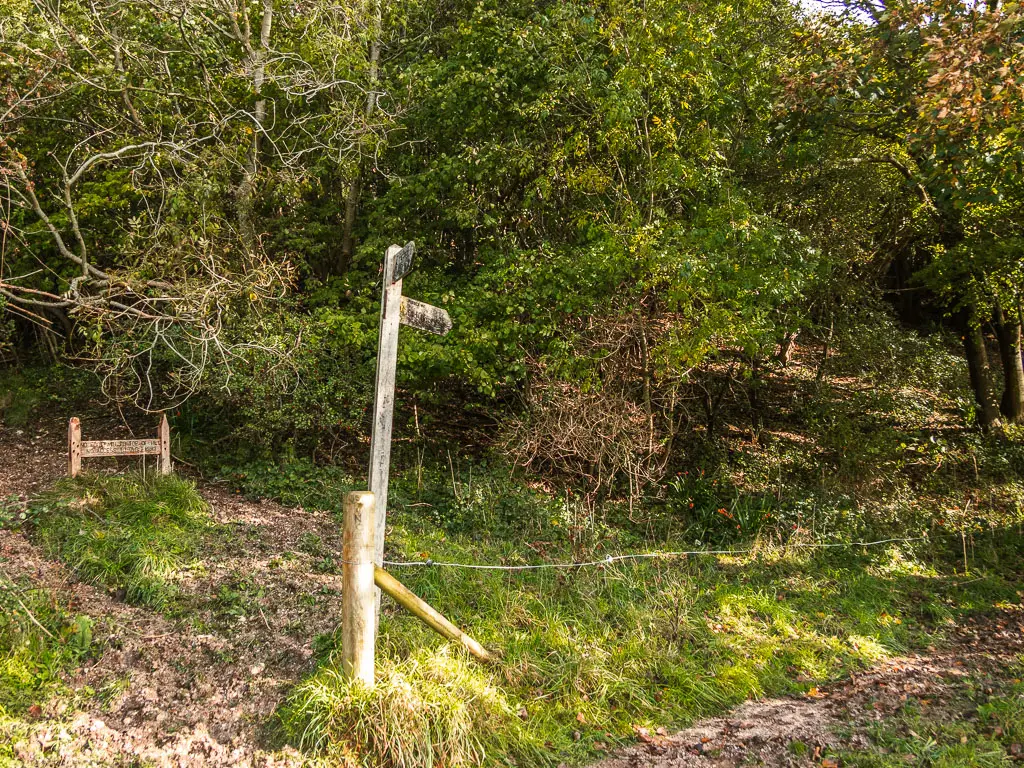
(611, 432)
(136, 142)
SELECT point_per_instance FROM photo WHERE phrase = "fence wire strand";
(611, 559)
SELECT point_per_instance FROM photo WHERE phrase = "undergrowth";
(124, 532)
(591, 657)
(40, 640)
(32, 394)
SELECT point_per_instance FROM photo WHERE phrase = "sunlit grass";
(40, 640)
(123, 532)
(589, 656)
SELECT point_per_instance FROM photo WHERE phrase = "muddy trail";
(199, 688)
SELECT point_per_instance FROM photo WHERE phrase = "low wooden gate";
(79, 449)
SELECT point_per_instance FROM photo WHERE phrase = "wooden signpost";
(79, 449)
(395, 309)
(366, 513)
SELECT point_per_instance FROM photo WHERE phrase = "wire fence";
(611, 559)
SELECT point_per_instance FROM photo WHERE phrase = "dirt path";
(767, 732)
(196, 691)
(199, 691)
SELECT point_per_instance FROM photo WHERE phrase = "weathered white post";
(395, 310)
(164, 438)
(74, 446)
(384, 394)
(358, 594)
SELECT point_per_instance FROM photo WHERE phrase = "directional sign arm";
(403, 261)
(426, 317)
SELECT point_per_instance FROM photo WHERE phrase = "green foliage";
(7, 330)
(299, 482)
(872, 345)
(312, 403)
(15, 512)
(126, 533)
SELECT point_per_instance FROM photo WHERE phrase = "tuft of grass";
(40, 640)
(130, 534)
(430, 708)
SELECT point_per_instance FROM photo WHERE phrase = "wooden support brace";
(423, 611)
(358, 595)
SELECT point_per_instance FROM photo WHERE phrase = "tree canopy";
(629, 209)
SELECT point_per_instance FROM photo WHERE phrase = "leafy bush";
(127, 533)
(302, 393)
(872, 343)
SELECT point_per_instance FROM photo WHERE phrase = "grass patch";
(130, 534)
(38, 640)
(591, 657)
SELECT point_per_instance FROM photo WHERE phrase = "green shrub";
(309, 399)
(872, 343)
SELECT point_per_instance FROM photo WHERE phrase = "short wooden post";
(358, 595)
(74, 447)
(164, 437)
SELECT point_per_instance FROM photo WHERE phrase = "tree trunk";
(786, 347)
(981, 376)
(1008, 331)
(258, 64)
(352, 198)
